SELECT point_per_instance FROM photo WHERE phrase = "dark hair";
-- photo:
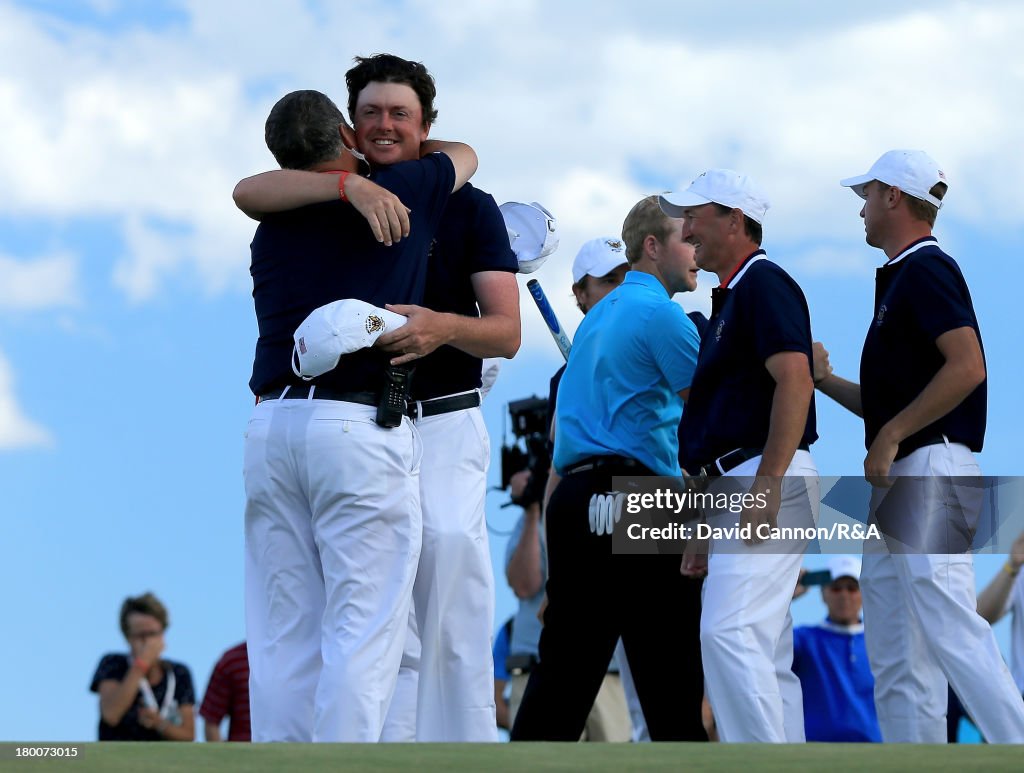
(388, 68)
(302, 129)
(750, 226)
(925, 210)
(146, 604)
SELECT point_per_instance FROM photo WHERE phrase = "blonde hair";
(644, 219)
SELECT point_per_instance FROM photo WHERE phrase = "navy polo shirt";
(919, 295)
(471, 238)
(305, 258)
(762, 313)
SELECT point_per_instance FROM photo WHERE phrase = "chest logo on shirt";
(374, 324)
(719, 329)
(881, 315)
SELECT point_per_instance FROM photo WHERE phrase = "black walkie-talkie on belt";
(393, 397)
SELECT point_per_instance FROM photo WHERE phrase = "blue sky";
(126, 325)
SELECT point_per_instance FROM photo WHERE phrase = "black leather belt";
(734, 459)
(599, 462)
(302, 392)
(439, 405)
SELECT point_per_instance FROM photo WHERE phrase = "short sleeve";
(489, 247)
(675, 345)
(184, 691)
(780, 320)
(111, 667)
(218, 693)
(939, 297)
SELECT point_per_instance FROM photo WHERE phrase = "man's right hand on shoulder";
(384, 211)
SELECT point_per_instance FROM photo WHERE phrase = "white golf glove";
(605, 511)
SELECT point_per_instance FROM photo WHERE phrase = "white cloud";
(16, 429)
(38, 283)
(586, 109)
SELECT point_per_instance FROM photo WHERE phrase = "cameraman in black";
(525, 570)
(524, 465)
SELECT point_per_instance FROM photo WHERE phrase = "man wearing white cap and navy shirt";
(750, 416)
(831, 661)
(922, 395)
(617, 414)
(332, 521)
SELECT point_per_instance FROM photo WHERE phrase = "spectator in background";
(501, 675)
(227, 695)
(831, 661)
(1006, 594)
(144, 697)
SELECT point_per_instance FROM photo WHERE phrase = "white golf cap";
(721, 186)
(341, 327)
(532, 233)
(844, 566)
(598, 257)
(912, 171)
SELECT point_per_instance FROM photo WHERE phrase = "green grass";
(226, 758)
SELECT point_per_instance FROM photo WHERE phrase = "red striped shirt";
(228, 693)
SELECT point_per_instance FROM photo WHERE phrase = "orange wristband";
(341, 186)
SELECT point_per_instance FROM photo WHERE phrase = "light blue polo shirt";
(633, 353)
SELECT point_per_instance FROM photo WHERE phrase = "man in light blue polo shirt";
(619, 406)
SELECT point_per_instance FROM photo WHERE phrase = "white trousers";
(921, 624)
(446, 686)
(332, 537)
(746, 631)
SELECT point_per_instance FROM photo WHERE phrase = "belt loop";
(284, 392)
(419, 410)
(309, 395)
(945, 440)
